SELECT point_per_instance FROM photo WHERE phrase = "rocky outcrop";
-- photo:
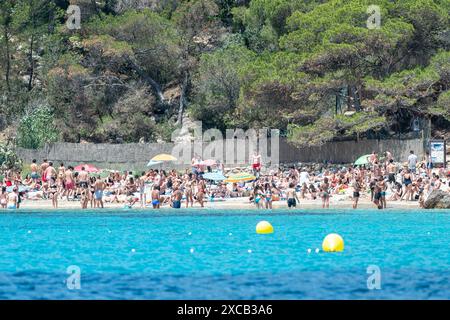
(438, 200)
(87, 8)
(186, 132)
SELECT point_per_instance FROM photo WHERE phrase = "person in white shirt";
(412, 162)
(304, 176)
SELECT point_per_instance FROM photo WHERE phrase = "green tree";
(5, 24)
(217, 85)
(34, 19)
(37, 128)
(328, 55)
(9, 160)
(200, 30)
(147, 43)
(311, 67)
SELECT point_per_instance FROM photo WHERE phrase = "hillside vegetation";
(136, 68)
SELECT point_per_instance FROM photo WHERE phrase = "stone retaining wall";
(136, 156)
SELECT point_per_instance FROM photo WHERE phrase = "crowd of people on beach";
(381, 179)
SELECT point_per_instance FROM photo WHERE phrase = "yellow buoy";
(333, 243)
(264, 227)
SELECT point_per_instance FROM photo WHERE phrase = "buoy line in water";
(333, 242)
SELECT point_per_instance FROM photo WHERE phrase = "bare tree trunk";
(96, 8)
(153, 84)
(30, 59)
(184, 86)
(8, 58)
(32, 18)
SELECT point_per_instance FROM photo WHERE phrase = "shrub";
(36, 128)
(9, 160)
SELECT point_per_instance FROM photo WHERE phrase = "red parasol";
(88, 168)
(206, 163)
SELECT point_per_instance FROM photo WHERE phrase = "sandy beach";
(338, 202)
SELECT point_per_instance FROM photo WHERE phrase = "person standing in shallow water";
(189, 192)
(383, 188)
(84, 195)
(177, 195)
(291, 196)
(201, 186)
(13, 200)
(99, 187)
(156, 197)
(53, 191)
(257, 197)
(268, 197)
(377, 194)
(325, 193)
(356, 192)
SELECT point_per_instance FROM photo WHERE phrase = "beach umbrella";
(163, 157)
(160, 158)
(20, 189)
(362, 160)
(104, 174)
(111, 171)
(215, 176)
(207, 163)
(153, 163)
(240, 177)
(87, 167)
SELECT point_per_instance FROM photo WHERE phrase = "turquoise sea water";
(208, 254)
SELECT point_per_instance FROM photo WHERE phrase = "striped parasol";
(240, 177)
(214, 176)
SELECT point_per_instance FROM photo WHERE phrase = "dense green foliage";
(37, 128)
(311, 68)
(9, 160)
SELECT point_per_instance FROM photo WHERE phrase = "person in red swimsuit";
(256, 162)
(8, 182)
